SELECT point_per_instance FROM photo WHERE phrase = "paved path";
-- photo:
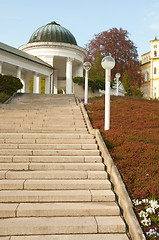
(53, 183)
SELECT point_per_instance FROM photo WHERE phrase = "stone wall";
(79, 91)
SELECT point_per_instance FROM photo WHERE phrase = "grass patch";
(133, 142)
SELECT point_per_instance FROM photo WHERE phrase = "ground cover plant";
(4, 97)
(133, 142)
(8, 86)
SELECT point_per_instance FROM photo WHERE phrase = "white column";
(39, 84)
(52, 78)
(52, 84)
(69, 76)
(55, 82)
(80, 70)
(19, 74)
(27, 85)
(47, 85)
(36, 84)
(1, 67)
(86, 88)
(117, 87)
(27, 78)
(107, 98)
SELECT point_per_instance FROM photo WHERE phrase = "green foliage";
(154, 219)
(60, 91)
(79, 80)
(95, 82)
(126, 83)
(97, 70)
(9, 84)
(3, 97)
(136, 92)
(130, 91)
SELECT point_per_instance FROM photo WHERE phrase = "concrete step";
(49, 146)
(43, 127)
(44, 136)
(43, 131)
(3, 174)
(14, 166)
(53, 182)
(31, 118)
(47, 141)
(60, 225)
(71, 237)
(65, 174)
(51, 159)
(63, 129)
(59, 209)
(67, 166)
(11, 184)
(84, 184)
(66, 184)
(52, 166)
(17, 196)
(21, 152)
(42, 122)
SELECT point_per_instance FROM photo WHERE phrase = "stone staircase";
(53, 183)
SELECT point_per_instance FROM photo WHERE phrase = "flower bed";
(148, 216)
(133, 142)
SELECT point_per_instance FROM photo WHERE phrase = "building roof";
(53, 32)
(20, 53)
(155, 39)
(146, 53)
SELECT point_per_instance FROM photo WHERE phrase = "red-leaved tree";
(117, 43)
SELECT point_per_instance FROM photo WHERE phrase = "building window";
(144, 79)
(155, 46)
(155, 53)
(147, 77)
(155, 70)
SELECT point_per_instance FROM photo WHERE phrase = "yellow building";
(150, 70)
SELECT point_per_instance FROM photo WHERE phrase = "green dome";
(53, 32)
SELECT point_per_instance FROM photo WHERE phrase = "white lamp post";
(117, 75)
(87, 67)
(107, 63)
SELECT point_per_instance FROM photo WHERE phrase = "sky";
(83, 18)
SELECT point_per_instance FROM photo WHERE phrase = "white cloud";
(155, 26)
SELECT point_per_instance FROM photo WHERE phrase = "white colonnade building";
(56, 46)
(52, 53)
(24, 66)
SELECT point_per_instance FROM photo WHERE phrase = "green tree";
(126, 83)
(96, 69)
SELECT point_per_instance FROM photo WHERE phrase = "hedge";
(9, 84)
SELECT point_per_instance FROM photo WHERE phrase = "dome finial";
(53, 23)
